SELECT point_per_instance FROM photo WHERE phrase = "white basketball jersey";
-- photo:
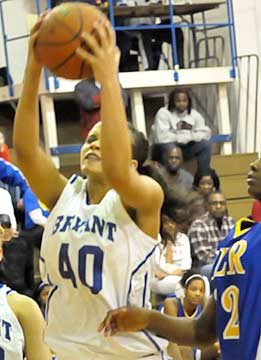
(11, 333)
(96, 259)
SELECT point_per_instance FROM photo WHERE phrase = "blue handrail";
(232, 37)
(75, 148)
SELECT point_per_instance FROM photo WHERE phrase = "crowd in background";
(194, 215)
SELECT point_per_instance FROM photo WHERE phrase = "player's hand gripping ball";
(60, 35)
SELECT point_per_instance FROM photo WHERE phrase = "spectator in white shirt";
(6, 207)
(172, 258)
(179, 123)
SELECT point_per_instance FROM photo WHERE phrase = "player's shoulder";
(20, 304)
(243, 226)
(75, 184)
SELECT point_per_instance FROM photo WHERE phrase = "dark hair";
(166, 151)
(175, 206)
(207, 172)
(185, 281)
(172, 95)
(139, 145)
(215, 192)
(5, 221)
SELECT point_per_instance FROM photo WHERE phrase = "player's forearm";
(115, 138)
(178, 330)
(26, 125)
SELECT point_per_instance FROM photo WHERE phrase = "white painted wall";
(248, 27)
(15, 15)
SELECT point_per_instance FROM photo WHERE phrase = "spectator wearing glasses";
(206, 232)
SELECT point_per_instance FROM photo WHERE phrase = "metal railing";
(172, 26)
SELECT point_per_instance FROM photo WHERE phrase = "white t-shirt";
(97, 259)
(11, 335)
(181, 255)
(6, 206)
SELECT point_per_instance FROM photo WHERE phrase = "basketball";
(60, 35)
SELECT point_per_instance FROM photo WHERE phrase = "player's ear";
(134, 163)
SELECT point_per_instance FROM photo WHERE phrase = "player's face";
(254, 179)
(217, 205)
(91, 152)
(195, 291)
(206, 185)
(181, 102)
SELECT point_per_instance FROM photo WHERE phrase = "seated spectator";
(6, 207)
(179, 123)
(197, 205)
(206, 232)
(161, 36)
(87, 96)
(16, 267)
(207, 181)
(4, 150)
(172, 171)
(173, 256)
(11, 175)
(190, 306)
(15, 194)
(41, 295)
(147, 42)
(33, 213)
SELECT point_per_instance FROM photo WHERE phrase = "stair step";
(239, 208)
(234, 186)
(232, 164)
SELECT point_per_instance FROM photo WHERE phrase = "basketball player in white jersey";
(102, 233)
(21, 323)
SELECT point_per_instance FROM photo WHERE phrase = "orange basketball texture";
(60, 35)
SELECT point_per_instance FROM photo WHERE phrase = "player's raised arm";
(36, 165)
(136, 191)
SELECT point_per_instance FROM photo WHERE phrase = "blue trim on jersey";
(42, 259)
(49, 280)
(162, 355)
(8, 291)
(48, 302)
(152, 340)
(138, 267)
(145, 289)
(73, 179)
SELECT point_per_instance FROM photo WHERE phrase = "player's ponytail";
(140, 152)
